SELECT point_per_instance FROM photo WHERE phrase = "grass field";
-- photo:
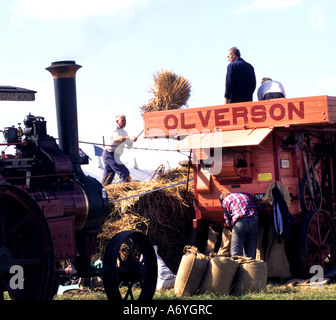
(274, 291)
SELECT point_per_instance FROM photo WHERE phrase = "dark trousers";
(112, 166)
(244, 237)
(273, 95)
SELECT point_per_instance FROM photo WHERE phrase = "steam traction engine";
(251, 146)
(50, 211)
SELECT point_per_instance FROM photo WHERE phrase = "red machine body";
(253, 146)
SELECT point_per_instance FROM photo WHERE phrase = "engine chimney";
(97, 205)
(64, 74)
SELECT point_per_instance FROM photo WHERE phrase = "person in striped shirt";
(240, 212)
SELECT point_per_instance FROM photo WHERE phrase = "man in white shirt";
(270, 89)
(111, 155)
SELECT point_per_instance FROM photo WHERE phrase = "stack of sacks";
(219, 273)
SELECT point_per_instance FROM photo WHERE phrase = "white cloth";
(117, 146)
(270, 87)
(166, 277)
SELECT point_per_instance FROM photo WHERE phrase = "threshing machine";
(249, 146)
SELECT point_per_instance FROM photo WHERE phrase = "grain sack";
(190, 272)
(212, 241)
(224, 248)
(219, 275)
(276, 259)
(251, 276)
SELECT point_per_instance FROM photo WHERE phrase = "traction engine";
(51, 212)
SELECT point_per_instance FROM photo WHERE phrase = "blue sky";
(121, 44)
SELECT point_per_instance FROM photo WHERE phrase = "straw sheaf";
(164, 215)
(170, 91)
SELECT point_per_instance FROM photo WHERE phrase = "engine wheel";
(317, 241)
(130, 267)
(25, 246)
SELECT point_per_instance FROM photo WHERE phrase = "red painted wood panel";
(258, 114)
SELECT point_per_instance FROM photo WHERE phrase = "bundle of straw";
(170, 91)
(164, 215)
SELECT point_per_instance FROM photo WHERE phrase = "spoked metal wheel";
(130, 267)
(310, 194)
(27, 265)
(317, 241)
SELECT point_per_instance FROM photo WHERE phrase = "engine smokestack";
(97, 205)
(64, 75)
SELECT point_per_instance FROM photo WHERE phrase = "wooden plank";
(248, 115)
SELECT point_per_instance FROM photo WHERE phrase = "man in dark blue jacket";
(240, 79)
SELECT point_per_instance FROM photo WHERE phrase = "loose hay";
(165, 216)
(170, 91)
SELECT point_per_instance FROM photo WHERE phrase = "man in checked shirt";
(241, 214)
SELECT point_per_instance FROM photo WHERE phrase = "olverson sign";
(269, 113)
